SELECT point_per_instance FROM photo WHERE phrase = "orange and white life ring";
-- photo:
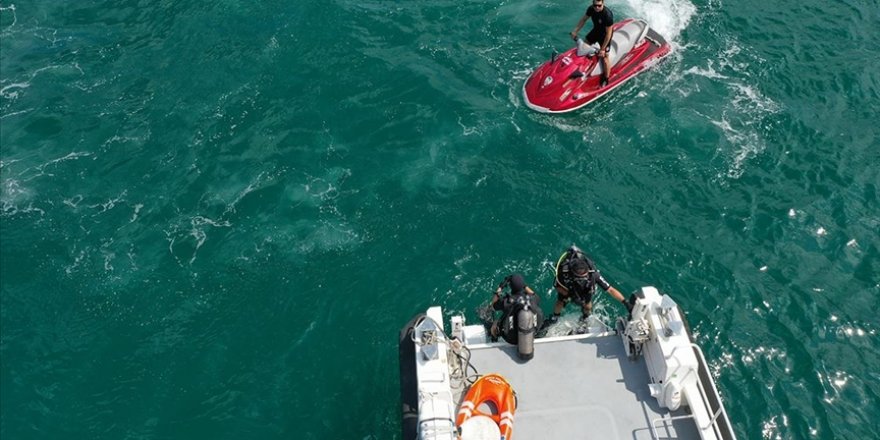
(490, 389)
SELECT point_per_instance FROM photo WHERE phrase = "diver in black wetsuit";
(576, 280)
(601, 33)
(521, 296)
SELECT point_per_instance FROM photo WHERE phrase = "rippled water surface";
(215, 217)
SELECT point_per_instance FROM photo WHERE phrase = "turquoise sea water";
(216, 216)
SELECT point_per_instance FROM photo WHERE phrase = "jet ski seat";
(622, 41)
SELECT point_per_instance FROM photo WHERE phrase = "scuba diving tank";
(526, 325)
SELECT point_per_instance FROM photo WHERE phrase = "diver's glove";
(504, 283)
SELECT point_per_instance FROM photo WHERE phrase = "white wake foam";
(667, 18)
(11, 11)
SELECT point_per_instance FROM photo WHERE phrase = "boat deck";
(580, 387)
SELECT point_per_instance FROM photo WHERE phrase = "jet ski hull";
(570, 81)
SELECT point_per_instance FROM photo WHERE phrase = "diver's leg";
(557, 309)
(586, 309)
(606, 74)
(561, 300)
(606, 61)
(584, 321)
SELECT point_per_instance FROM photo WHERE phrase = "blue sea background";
(216, 216)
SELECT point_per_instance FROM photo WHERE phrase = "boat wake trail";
(747, 115)
(667, 18)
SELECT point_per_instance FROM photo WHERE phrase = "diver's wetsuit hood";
(517, 284)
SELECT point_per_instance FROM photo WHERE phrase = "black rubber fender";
(409, 391)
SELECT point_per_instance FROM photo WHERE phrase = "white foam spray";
(667, 18)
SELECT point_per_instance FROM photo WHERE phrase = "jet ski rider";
(601, 33)
(520, 296)
(576, 280)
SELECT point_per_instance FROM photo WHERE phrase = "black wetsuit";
(580, 289)
(510, 305)
(601, 20)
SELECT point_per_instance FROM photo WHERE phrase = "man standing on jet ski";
(601, 33)
(576, 280)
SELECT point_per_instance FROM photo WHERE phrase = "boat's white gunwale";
(548, 340)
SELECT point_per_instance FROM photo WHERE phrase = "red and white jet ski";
(572, 80)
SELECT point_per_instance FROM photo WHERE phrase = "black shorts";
(597, 36)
